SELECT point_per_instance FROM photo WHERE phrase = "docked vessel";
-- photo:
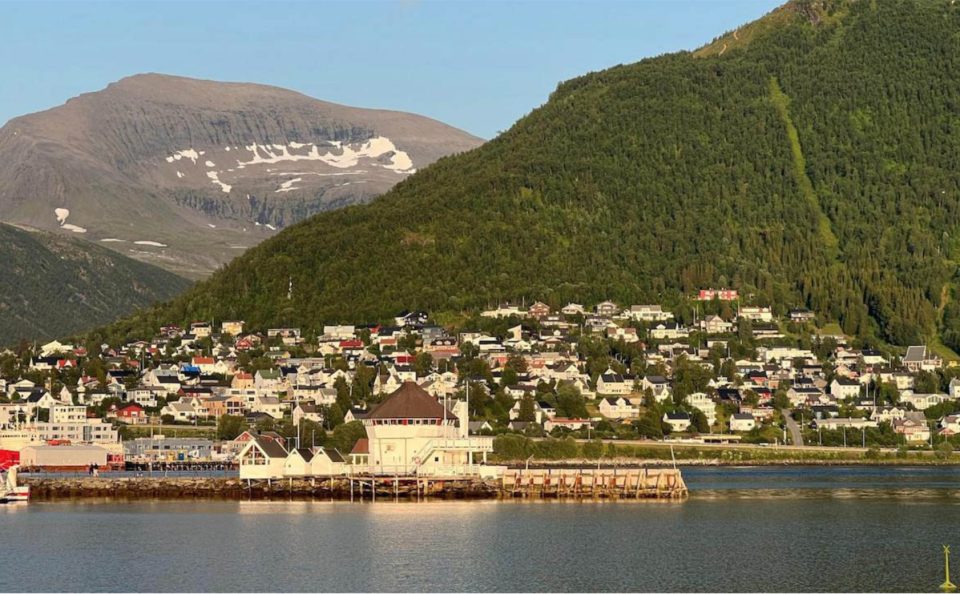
(10, 491)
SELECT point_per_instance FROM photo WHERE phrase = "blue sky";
(475, 65)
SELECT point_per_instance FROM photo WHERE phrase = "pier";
(610, 483)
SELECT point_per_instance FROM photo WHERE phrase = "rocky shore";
(53, 489)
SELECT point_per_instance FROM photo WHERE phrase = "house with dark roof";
(297, 463)
(920, 358)
(262, 458)
(677, 421)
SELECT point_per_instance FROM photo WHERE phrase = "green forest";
(53, 285)
(811, 161)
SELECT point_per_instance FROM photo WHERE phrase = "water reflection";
(759, 529)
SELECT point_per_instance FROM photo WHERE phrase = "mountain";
(808, 159)
(187, 173)
(54, 284)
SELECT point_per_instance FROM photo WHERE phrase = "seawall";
(54, 489)
(611, 483)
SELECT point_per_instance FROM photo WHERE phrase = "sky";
(476, 65)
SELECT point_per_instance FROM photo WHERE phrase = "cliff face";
(203, 169)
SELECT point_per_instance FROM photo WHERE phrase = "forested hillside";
(52, 285)
(810, 159)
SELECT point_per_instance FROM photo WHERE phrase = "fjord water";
(763, 529)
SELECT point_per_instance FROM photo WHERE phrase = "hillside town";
(733, 374)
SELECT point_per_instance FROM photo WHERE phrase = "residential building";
(742, 422)
(677, 421)
(618, 408)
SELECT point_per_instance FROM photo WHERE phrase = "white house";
(888, 414)
(571, 424)
(954, 388)
(649, 313)
(297, 463)
(270, 405)
(677, 421)
(715, 325)
(705, 404)
(922, 401)
(614, 383)
(920, 358)
(842, 387)
(537, 411)
(755, 314)
(180, 411)
(306, 411)
(618, 408)
(327, 462)
(668, 330)
(262, 458)
(742, 422)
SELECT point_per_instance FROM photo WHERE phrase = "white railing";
(424, 470)
(463, 444)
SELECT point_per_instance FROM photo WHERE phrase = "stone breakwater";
(53, 489)
(611, 483)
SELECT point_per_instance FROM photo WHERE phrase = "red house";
(131, 414)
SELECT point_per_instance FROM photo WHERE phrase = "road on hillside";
(796, 435)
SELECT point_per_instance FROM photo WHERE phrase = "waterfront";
(762, 529)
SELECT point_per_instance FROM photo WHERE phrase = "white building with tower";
(411, 433)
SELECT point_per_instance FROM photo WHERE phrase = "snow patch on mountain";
(215, 178)
(349, 155)
(288, 185)
(188, 153)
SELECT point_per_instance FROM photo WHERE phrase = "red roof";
(203, 361)
(350, 344)
(361, 447)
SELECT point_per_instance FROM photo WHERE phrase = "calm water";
(794, 529)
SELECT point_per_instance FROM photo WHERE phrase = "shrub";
(944, 450)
